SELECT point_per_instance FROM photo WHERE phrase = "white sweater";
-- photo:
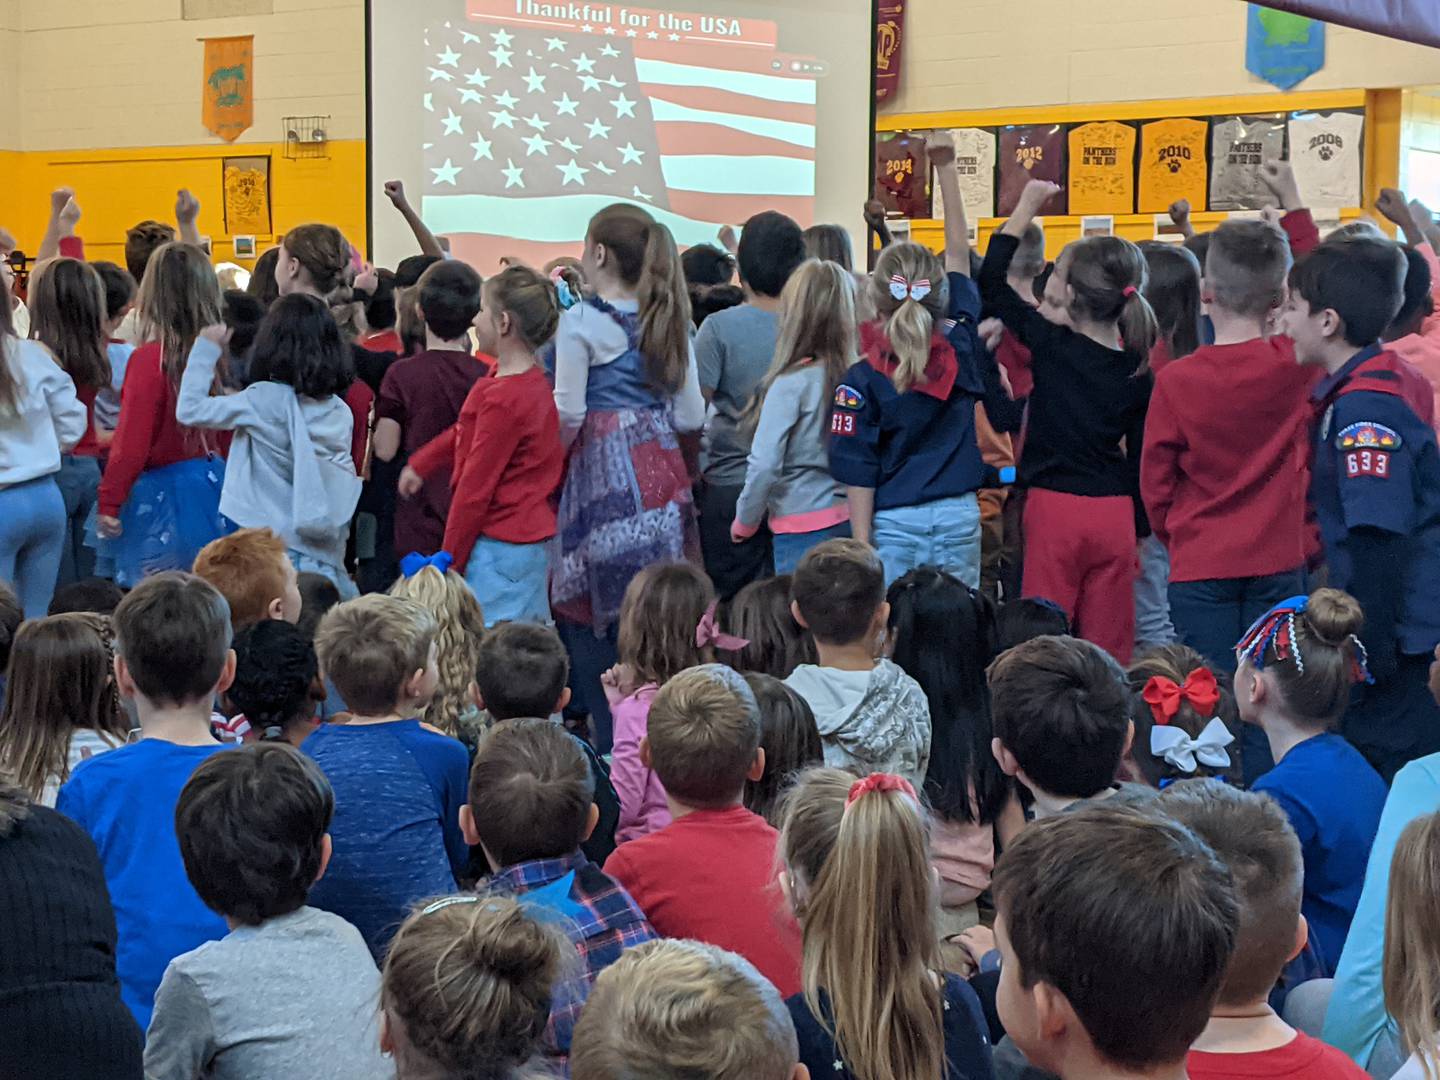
(47, 419)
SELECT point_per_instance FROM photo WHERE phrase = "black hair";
(94, 595)
(450, 299)
(1029, 617)
(521, 670)
(706, 300)
(243, 315)
(251, 824)
(120, 288)
(380, 311)
(706, 264)
(299, 344)
(412, 269)
(1418, 303)
(944, 638)
(1198, 245)
(318, 594)
(1173, 290)
(791, 742)
(1362, 280)
(772, 246)
(276, 677)
(262, 279)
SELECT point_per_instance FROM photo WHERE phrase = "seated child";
(1061, 713)
(467, 989)
(521, 673)
(760, 616)
(94, 595)
(251, 568)
(791, 742)
(1245, 1038)
(1028, 617)
(461, 625)
(172, 644)
(531, 806)
(1115, 927)
(680, 1010)
(1185, 719)
(290, 990)
(399, 785)
(710, 874)
(1298, 664)
(871, 715)
(277, 683)
(1410, 946)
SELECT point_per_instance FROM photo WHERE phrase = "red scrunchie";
(1164, 697)
(879, 782)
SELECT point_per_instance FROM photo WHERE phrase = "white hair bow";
(900, 289)
(1183, 752)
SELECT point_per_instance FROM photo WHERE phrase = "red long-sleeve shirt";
(148, 436)
(1225, 468)
(507, 464)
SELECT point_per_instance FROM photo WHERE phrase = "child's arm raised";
(1396, 209)
(941, 148)
(194, 407)
(395, 192)
(64, 214)
(187, 213)
(1035, 332)
(1299, 226)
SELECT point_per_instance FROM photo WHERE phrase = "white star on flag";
(610, 31)
(612, 81)
(481, 146)
(443, 76)
(452, 124)
(502, 55)
(446, 173)
(502, 38)
(673, 37)
(469, 38)
(448, 58)
(502, 119)
(565, 107)
(514, 177)
(571, 145)
(653, 35)
(589, 82)
(478, 78)
(631, 33)
(629, 154)
(554, 44)
(506, 100)
(536, 144)
(471, 97)
(573, 173)
(606, 169)
(641, 195)
(429, 102)
(609, 50)
(587, 29)
(536, 124)
(623, 106)
(584, 63)
(598, 130)
(534, 84)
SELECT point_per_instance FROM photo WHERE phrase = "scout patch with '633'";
(847, 401)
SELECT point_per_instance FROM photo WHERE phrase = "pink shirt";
(643, 806)
(1422, 350)
(963, 854)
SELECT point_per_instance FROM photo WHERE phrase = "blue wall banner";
(1283, 48)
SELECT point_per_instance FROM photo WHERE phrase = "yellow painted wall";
(984, 54)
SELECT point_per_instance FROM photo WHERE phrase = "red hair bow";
(879, 782)
(1164, 697)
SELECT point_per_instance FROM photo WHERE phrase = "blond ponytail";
(909, 322)
(664, 311)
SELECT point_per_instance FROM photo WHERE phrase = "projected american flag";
(529, 131)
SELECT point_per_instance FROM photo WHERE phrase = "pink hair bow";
(901, 289)
(879, 782)
(708, 633)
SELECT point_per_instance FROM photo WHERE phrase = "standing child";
(857, 873)
(942, 633)
(1090, 347)
(774, 643)
(1410, 947)
(871, 714)
(422, 395)
(120, 289)
(531, 807)
(290, 465)
(787, 482)
(159, 500)
(903, 425)
(399, 785)
(467, 987)
(710, 873)
(60, 702)
(289, 990)
(1375, 487)
(67, 315)
(460, 626)
(663, 630)
(40, 420)
(172, 640)
(1298, 664)
(791, 742)
(507, 458)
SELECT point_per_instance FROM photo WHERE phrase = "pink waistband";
(811, 520)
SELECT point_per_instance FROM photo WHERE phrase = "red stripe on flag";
(704, 97)
(685, 138)
(704, 206)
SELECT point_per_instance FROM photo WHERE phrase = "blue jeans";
(1152, 603)
(79, 481)
(32, 535)
(510, 580)
(1211, 616)
(790, 548)
(943, 533)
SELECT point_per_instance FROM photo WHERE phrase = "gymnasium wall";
(9, 79)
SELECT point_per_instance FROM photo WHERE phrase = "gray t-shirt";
(296, 998)
(733, 351)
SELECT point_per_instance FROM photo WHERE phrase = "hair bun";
(1334, 616)
(517, 948)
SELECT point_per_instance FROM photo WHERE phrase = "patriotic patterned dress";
(626, 501)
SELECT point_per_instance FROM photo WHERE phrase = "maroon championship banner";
(889, 29)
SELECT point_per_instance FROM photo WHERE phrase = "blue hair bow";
(413, 563)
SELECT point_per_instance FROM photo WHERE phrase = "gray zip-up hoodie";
(872, 721)
(788, 473)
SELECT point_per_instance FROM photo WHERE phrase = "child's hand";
(940, 146)
(1394, 206)
(395, 192)
(977, 941)
(875, 214)
(187, 207)
(59, 199)
(1180, 212)
(728, 240)
(1036, 194)
(70, 215)
(219, 334)
(108, 527)
(410, 483)
(619, 683)
(991, 331)
(1279, 177)
(1271, 216)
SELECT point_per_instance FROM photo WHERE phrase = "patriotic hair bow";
(709, 633)
(1165, 696)
(413, 563)
(878, 782)
(1275, 630)
(901, 289)
(1183, 752)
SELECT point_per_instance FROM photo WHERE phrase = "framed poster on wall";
(246, 183)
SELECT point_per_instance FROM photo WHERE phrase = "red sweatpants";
(1080, 553)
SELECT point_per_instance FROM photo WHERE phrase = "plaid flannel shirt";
(600, 918)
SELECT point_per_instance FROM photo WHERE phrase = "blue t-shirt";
(396, 833)
(1333, 798)
(126, 801)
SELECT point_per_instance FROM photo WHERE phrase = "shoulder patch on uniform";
(1368, 435)
(847, 397)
